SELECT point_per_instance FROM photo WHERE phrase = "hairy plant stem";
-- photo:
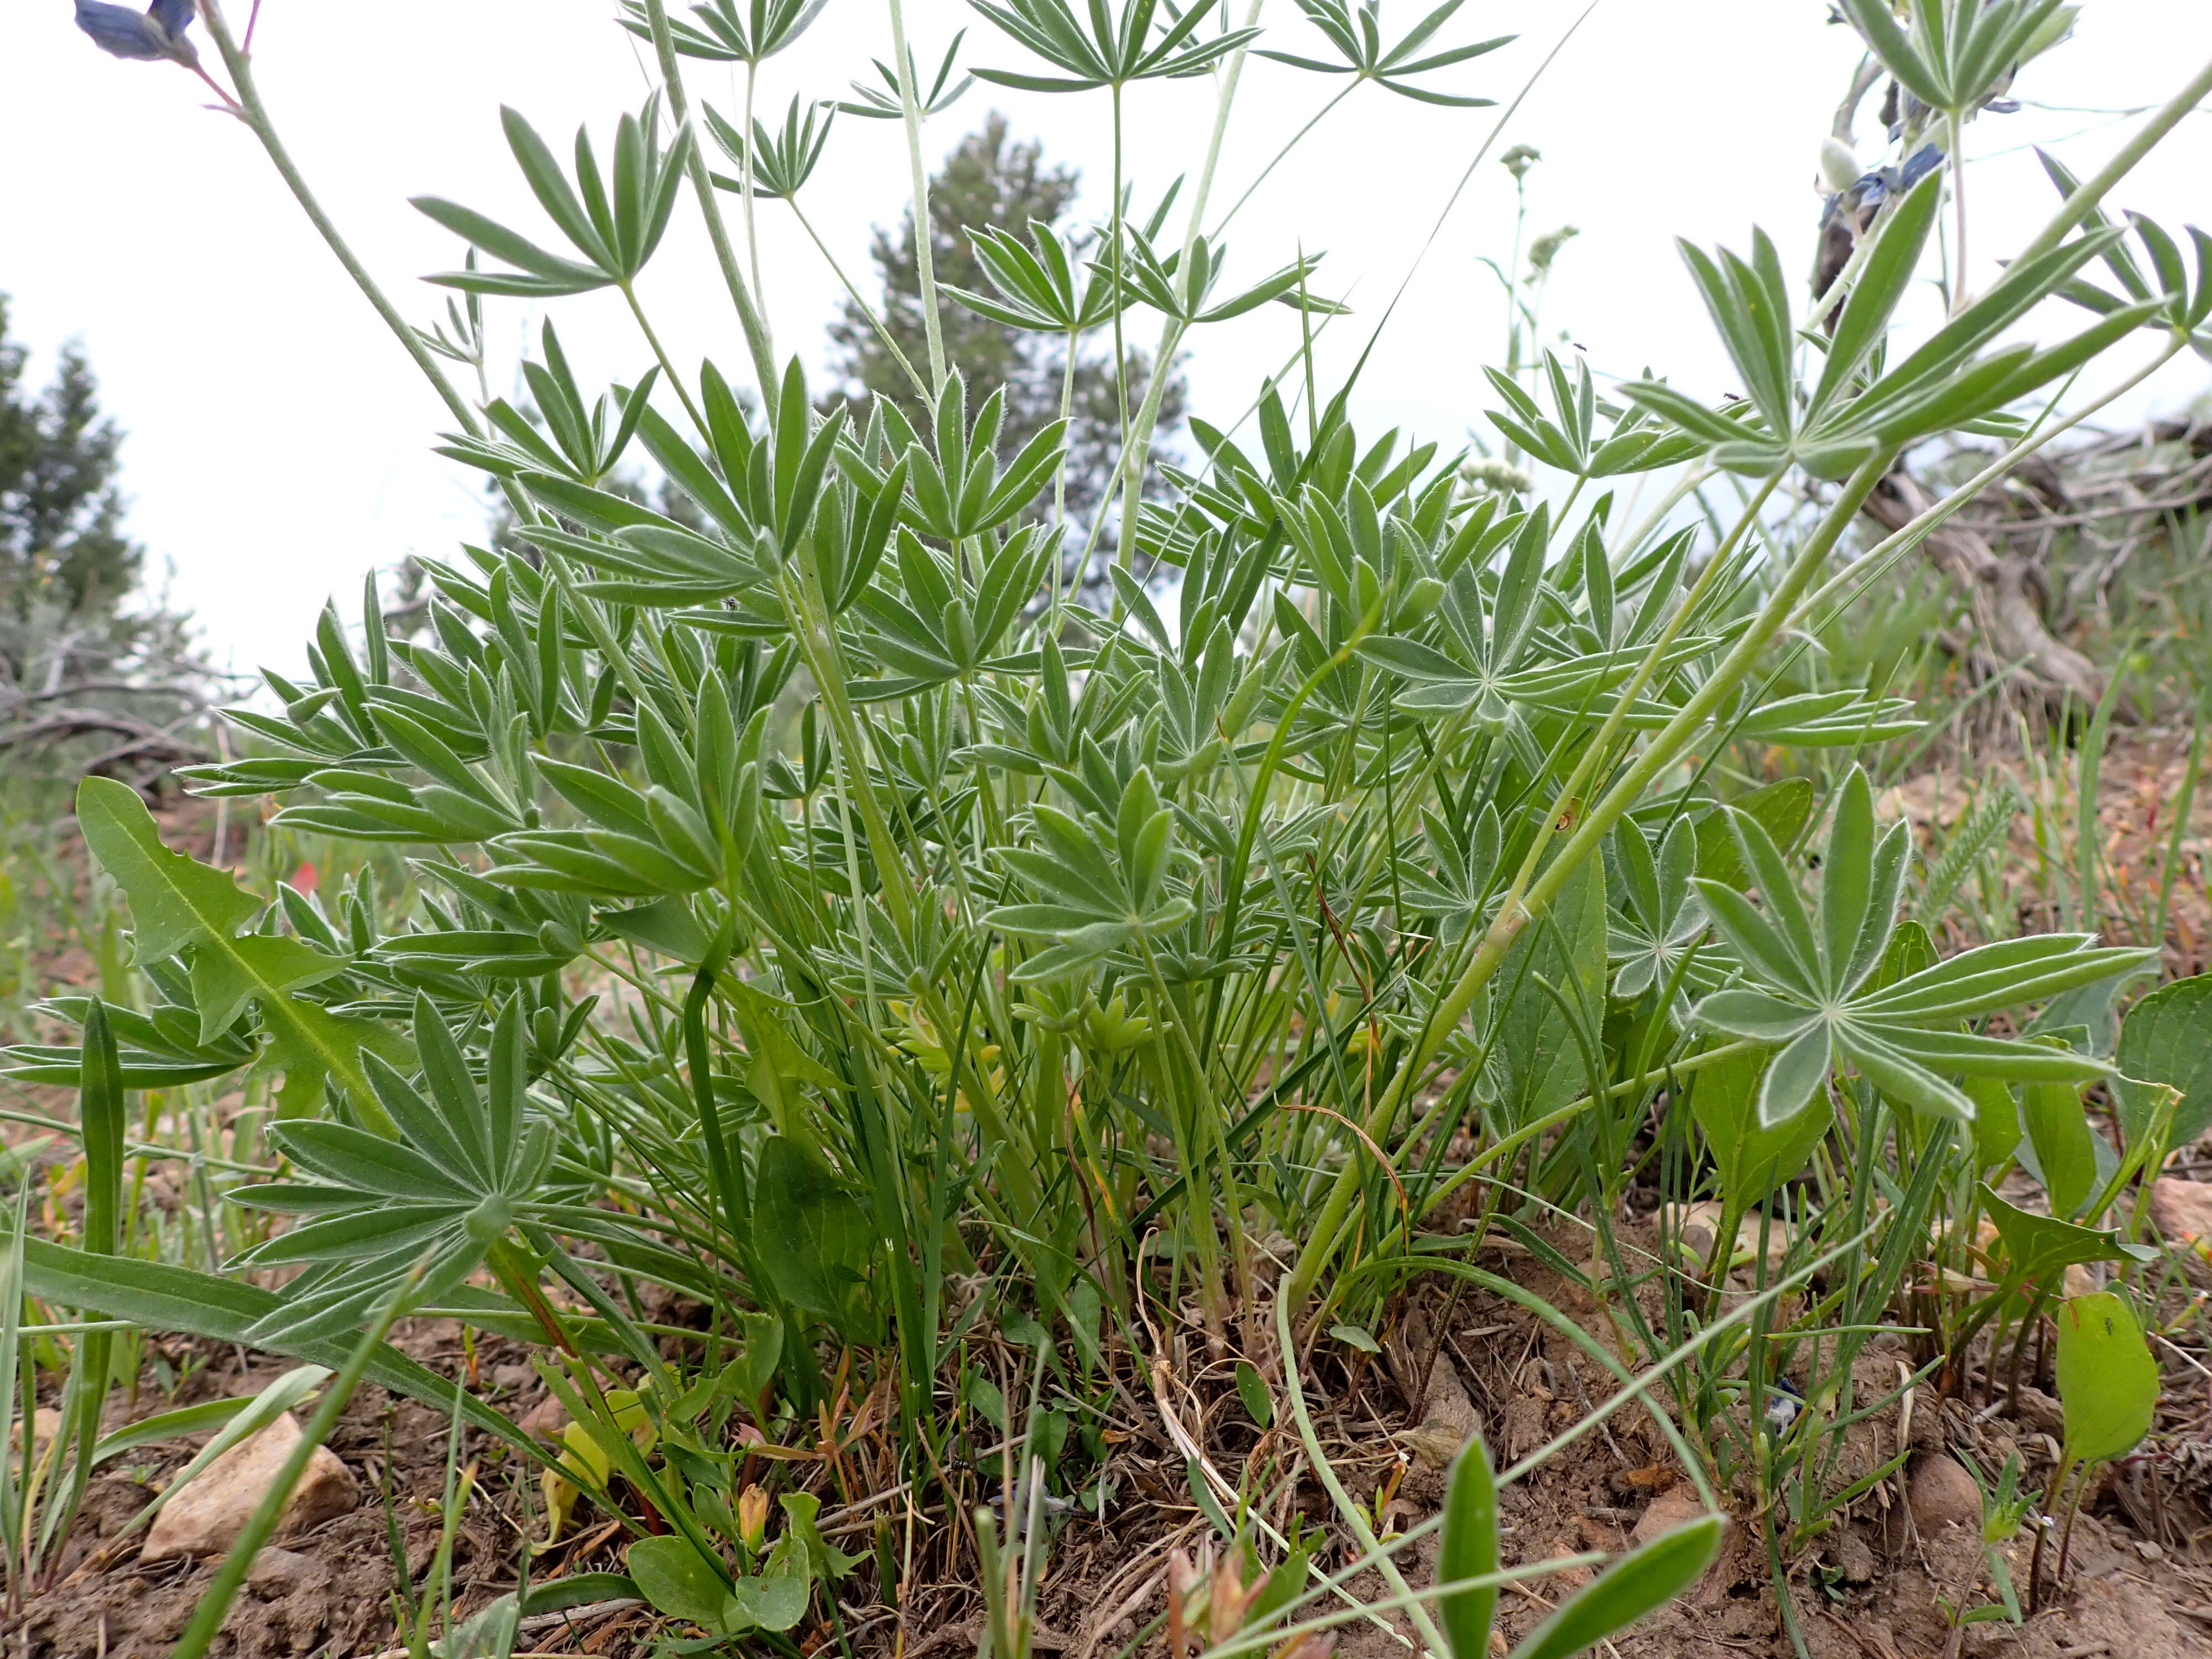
(925, 260)
(660, 356)
(2084, 201)
(757, 339)
(746, 173)
(1955, 131)
(1666, 747)
(256, 114)
(875, 322)
(1124, 550)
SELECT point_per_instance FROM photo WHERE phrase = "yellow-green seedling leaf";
(1639, 1583)
(2108, 1383)
(1469, 1550)
(824, 1560)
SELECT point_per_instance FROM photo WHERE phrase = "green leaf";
(1750, 1158)
(176, 904)
(2108, 1383)
(1469, 1550)
(1544, 1067)
(774, 1601)
(824, 1561)
(2168, 1038)
(162, 1297)
(814, 1239)
(2040, 1248)
(2065, 1146)
(1252, 1390)
(1357, 1337)
(1781, 809)
(1634, 1585)
(678, 1581)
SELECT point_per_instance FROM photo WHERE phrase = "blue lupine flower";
(149, 36)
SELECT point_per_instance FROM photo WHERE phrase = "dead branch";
(2003, 592)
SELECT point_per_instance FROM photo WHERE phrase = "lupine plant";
(818, 914)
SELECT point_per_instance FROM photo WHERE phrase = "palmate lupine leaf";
(2186, 306)
(1957, 56)
(884, 103)
(781, 161)
(1358, 36)
(1943, 384)
(1104, 882)
(1037, 282)
(728, 33)
(466, 1167)
(615, 221)
(1661, 918)
(1101, 49)
(1808, 973)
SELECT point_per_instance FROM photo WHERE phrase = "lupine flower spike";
(148, 36)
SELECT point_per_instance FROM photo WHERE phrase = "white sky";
(279, 440)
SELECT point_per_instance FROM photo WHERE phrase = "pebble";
(1943, 1494)
(546, 1419)
(207, 1517)
(1669, 1509)
(2182, 1209)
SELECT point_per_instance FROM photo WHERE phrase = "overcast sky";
(279, 441)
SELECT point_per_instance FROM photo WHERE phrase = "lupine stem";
(925, 260)
(757, 340)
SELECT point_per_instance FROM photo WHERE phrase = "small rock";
(1700, 1223)
(1855, 1558)
(513, 1377)
(546, 1419)
(2149, 1551)
(1449, 1419)
(278, 1571)
(1669, 1509)
(2079, 1281)
(1942, 1494)
(2182, 1209)
(46, 1424)
(206, 1518)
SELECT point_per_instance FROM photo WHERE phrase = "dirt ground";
(2140, 1583)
